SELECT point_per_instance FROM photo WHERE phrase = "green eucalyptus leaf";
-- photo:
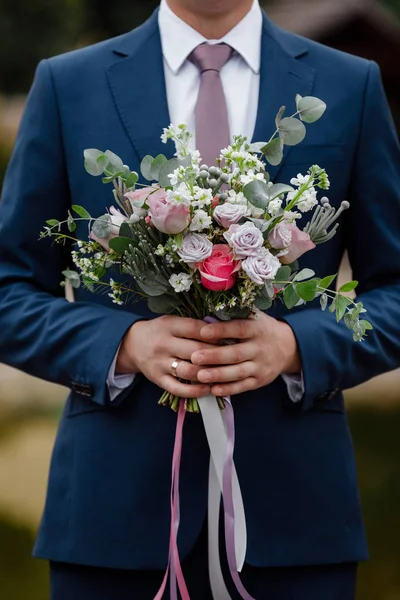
(261, 224)
(169, 167)
(342, 302)
(257, 147)
(262, 303)
(304, 274)
(120, 244)
(131, 180)
(115, 164)
(95, 161)
(145, 167)
(164, 304)
(156, 165)
(307, 290)
(348, 287)
(298, 98)
(52, 222)
(110, 178)
(283, 273)
(82, 212)
(292, 131)
(273, 151)
(311, 109)
(125, 230)
(290, 297)
(152, 287)
(278, 189)
(102, 227)
(257, 193)
(367, 325)
(326, 282)
(279, 116)
(71, 223)
(73, 277)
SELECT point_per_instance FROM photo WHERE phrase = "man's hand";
(265, 348)
(150, 347)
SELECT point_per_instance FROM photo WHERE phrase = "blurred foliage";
(377, 446)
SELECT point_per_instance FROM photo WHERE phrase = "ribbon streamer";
(220, 432)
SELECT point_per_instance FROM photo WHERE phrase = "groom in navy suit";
(105, 527)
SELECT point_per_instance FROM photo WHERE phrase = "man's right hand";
(150, 347)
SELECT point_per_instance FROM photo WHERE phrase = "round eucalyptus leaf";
(292, 131)
(120, 244)
(307, 290)
(257, 193)
(279, 116)
(115, 164)
(95, 161)
(304, 274)
(278, 189)
(263, 303)
(163, 305)
(152, 287)
(145, 167)
(73, 277)
(311, 109)
(273, 151)
(156, 165)
(102, 227)
(257, 147)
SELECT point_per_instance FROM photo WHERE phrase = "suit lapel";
(137, 83)
(282, 76)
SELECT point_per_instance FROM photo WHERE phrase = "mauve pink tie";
(212, 127)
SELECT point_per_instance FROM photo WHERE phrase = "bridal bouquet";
(218, 240)
(211, 242)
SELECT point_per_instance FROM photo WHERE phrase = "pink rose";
(168, 217)
(139, 197)
(218, 272)
(117, 218)
(299, 244)
(281, 236)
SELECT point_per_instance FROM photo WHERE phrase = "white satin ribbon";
(214, 425)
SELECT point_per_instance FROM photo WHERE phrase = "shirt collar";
(178, 39)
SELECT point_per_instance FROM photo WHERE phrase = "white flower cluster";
(181, 136)
(89, 265)
(308, 199)
(116, 292)
(181, 282)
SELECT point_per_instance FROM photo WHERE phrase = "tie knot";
(211, 57)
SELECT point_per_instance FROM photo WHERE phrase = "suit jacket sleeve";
(72, 344)
(331, 360)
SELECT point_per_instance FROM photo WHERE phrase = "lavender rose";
(261, 267)
(245, 239)
(281, 236)
(196, 247)
(229, 214)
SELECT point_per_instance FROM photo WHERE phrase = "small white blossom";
(179, 196)
(290, 216)
(299, 180)
(236, 198)
(202, 197)
(181, 282)
(160, 250)
(308, 200)
(274, 207)
(201, 220)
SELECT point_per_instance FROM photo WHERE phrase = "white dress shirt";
(240, 78)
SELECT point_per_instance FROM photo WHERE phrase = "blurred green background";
(29, 409)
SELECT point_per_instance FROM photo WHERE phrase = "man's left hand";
(264, 348)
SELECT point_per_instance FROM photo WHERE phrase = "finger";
(240, 329)
(186, 328)
(182, 348)
(224, 355)
(174, 386)
(237, 387)
(227, 373)
(185, 370)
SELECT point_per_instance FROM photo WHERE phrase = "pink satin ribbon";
(174, 569)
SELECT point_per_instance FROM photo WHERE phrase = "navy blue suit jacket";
(108, 495)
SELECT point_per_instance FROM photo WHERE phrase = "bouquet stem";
(191, 405)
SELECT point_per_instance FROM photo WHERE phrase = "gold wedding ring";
(174, 367)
